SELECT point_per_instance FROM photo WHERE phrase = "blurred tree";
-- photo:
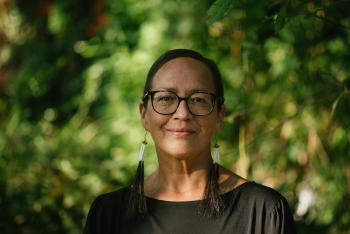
(71, 77)
(294, 106)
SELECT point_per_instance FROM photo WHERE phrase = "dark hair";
(181, 53)
(212, 205)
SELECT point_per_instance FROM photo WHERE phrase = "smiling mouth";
(181, 132)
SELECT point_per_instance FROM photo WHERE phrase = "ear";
(221, 117)
(143, 116)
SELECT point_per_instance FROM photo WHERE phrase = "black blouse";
(250, 208)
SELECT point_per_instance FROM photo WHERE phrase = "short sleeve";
(280, 219)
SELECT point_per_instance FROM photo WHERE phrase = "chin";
(181, 150)
(181, 156)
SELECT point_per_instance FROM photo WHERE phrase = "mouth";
(181, 132)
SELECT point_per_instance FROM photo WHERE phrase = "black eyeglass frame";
(215, 98)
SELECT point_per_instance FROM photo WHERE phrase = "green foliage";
(219, 9)
(72, 74)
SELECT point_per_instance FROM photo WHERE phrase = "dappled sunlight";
(72, 76)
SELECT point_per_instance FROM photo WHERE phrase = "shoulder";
(105, 210)
(256, 197)
(258, 192)
(111, 203)
(272, 208)
(265, 205)
(112, 198)
(249, 193)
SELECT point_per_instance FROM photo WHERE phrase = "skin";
(182, 140)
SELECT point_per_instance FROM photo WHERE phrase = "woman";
(183, 108)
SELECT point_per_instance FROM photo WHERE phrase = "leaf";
(335, 103)
(281, 19)
(219, 9)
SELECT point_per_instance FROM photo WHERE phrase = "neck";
(179, 179)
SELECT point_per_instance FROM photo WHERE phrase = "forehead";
(184, 74)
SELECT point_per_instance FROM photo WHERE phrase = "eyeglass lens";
(199, 103)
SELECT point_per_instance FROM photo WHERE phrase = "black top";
(250, 208)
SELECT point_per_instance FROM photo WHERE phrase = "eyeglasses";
(166, 102)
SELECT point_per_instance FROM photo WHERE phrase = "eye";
(164, 98)
(198, 100)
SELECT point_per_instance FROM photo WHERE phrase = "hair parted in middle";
(186, 53)
(212, 204)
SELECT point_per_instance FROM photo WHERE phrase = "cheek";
(217, 122)
(209, 127)
(155, 122)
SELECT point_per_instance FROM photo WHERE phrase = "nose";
(182, 111)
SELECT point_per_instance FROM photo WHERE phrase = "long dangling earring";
(142, 148)
(212, 204)
(137, 202)
(217, 203)
(216, 154)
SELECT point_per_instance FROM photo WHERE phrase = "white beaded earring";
(216, 153)
(142, 149)
(137, 202)
(216, 156)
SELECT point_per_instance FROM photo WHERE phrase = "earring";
(137, 202)
(212, 203)
(216, 153)
(142, 148)
(216, 156)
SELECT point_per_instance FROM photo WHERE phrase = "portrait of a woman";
(182, 109)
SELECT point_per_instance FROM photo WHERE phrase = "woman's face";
(182, 135)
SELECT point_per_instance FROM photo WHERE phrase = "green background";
(72, 75)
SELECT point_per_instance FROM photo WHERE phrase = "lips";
(181, 132)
